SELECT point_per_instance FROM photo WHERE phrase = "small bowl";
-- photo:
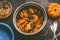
(28, 4)
(3, 17)
(6, 33)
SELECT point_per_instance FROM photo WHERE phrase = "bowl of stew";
(5, 9)
(29, 18)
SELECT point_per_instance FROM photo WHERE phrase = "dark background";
(19, 36)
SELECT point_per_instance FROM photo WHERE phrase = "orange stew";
(29, 20)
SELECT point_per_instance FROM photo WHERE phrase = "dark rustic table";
(19, 36)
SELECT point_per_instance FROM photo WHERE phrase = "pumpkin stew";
(29, 19)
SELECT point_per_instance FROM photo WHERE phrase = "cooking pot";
(28, 4)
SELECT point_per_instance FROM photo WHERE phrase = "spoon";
(54, 28)
(56, 36)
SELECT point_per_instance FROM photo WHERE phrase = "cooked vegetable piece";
(38, 26)
(21, 21)
(24, 13)
(25, 18)
(28, 26)
(31, 10)
(18, 24)
(35, 18)
(21, 14)
(35, 30)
